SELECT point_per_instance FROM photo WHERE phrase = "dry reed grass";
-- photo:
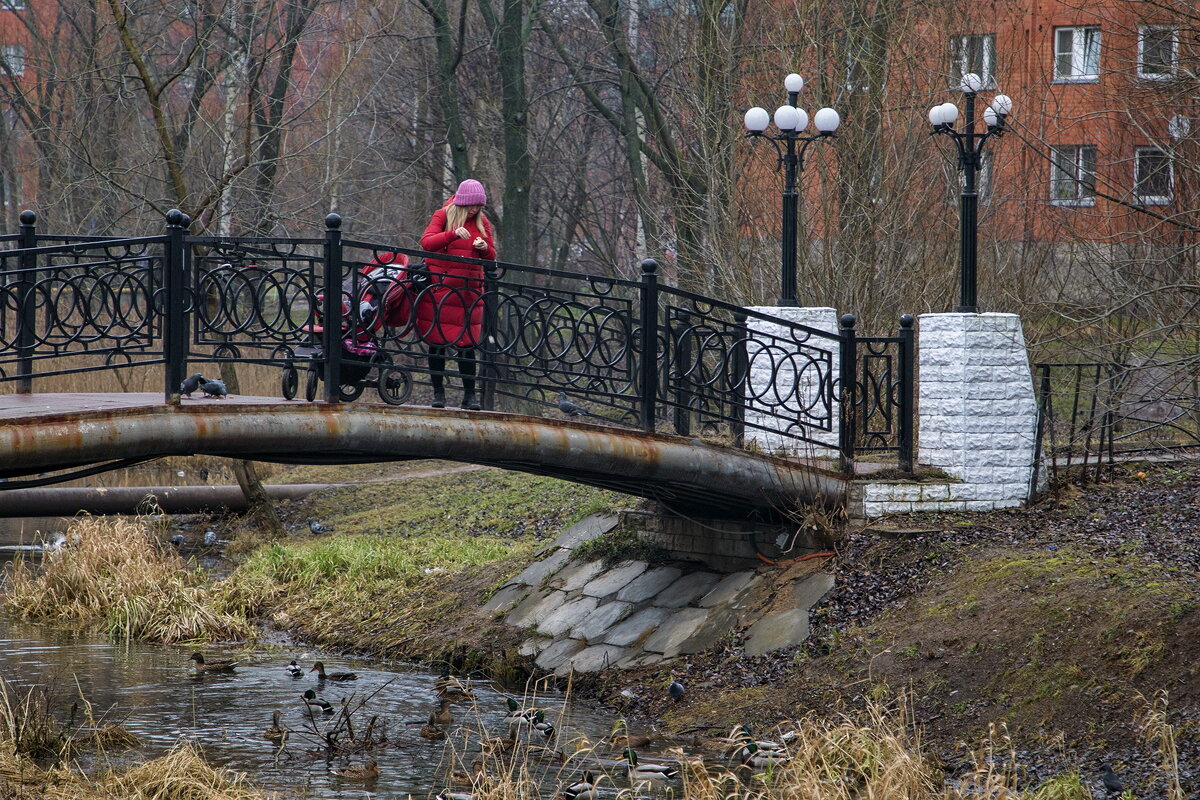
(114, 575)
(182, 774)
(30, 735)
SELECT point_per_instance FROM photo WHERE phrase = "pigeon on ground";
(1112, 782)
(318, 528)
(190, 384)
(675, 689)
(56, 541)
(214, 389)
(210, 537)
(567, 407)
(177, 540)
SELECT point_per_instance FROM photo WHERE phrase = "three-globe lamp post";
(790, 143)
(970, 161)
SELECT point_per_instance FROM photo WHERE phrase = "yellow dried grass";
(114, 575)
(182, 774)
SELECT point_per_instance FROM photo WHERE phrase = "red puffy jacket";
(450, 310)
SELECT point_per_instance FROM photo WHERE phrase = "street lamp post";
(791, 122)
(970, 160)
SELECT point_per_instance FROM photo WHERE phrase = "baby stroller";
(382, 290)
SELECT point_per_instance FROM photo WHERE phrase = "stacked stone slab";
(977, 418)
(584, 616)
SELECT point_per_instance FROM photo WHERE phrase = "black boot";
(439, 397)
(469, 402)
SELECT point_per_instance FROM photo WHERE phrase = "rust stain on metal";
(650, 465)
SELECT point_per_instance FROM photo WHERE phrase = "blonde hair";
(456, 217)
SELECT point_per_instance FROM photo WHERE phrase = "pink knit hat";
(470, 193)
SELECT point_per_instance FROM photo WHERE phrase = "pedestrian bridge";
(44, 432)
(704, 406)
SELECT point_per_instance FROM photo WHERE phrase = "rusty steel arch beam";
(688, 476)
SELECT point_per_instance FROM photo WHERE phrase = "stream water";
(156, 694)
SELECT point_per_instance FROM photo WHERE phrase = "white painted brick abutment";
(787, 379)
(976, 419)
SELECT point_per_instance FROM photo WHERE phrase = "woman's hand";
(462, 233)
(479, 243)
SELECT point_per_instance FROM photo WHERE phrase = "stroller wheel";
(395, 385)
(290, 382)
(349, 392)
(310, 385)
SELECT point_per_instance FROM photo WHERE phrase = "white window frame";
(13, 56)
(959, 47)
(1172, 65)
(1153, 199)
(1078, 174)
(1077, 54)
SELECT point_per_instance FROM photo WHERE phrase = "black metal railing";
(1093, 415)
(356, 315)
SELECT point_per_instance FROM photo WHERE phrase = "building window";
(12, 5)
(12, 57)
(1073, 175)
(1077, 54)
(1157, 49)
(1152, 178)
(973, 52)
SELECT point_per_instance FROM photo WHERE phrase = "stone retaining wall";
(584, 616)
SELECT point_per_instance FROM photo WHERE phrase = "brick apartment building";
(1106, 112)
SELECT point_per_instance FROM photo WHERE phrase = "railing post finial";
(649, 266)
(28, 218)
(175, 218)
(333, 221)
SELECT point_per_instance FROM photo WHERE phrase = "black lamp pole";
(790, 143)
(970, 161)
(792, 164)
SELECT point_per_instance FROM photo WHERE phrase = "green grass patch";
(346, 566)
(463, 504)
(620, 544)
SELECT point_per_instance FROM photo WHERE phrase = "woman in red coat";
(449, 312)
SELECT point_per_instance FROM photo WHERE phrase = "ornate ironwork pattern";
(365, 315)
(729, 370)
(253, 298)
(81, 306)
(877, 401)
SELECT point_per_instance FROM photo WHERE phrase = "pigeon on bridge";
(568, 408)
(214, 389)
(190, 384)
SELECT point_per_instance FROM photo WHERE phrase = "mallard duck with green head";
(755, 758)
(315, 703)
(518, 717)
(583, 789)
